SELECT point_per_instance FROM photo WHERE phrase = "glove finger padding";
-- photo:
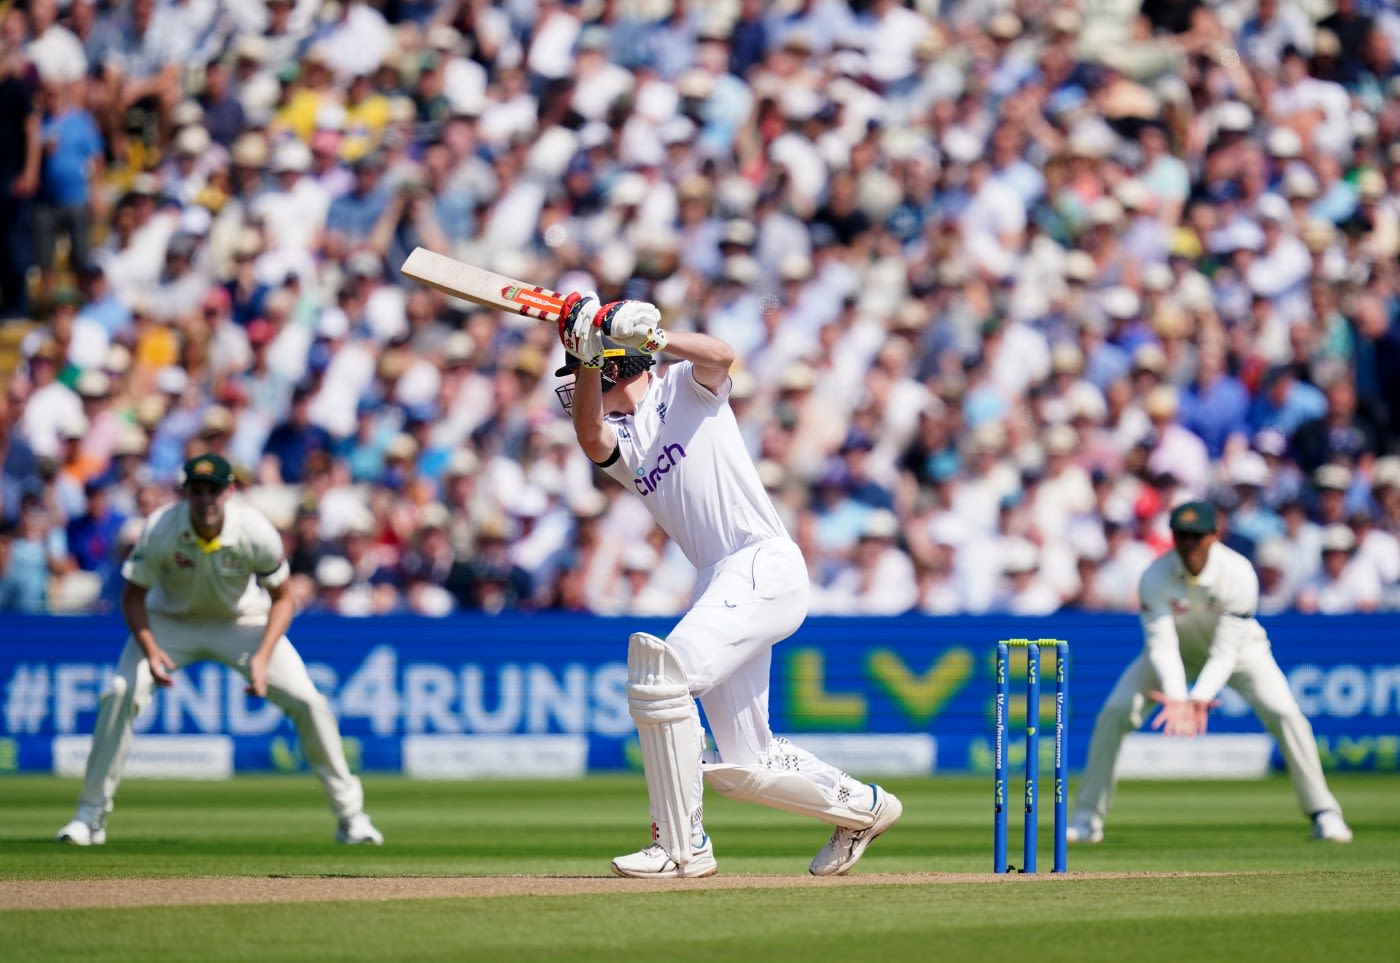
(578, 331)
(636, 324)
(585, 315)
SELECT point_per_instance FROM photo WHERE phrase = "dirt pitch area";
(221, 890)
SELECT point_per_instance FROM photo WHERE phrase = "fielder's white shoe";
(654, 862)
(358, 829)
(79, 833)
(1329, 827)
(1082, 831)
(846, 846)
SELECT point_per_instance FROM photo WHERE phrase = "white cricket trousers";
(1258, 680)
(289, 687)
(743, 606)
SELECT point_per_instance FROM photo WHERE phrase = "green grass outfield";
(1249, 884)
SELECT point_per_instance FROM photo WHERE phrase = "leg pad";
(668, 729)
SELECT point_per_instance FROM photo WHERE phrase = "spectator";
(73, 160)
(1344, 583)
(1284, 402)
(1374, 545)
(19, 468)
(352, 217)
(51, 403)
(880, 578)
(1215, 405)
(1276, 592)
(488, 582)
(38, 560)
(1024, 591)
(92, 536)
(1175, 449)
(290, 442)
(895, 318)
(19, 177)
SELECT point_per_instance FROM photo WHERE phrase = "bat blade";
(480, 286)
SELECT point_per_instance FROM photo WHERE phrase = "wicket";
(1032, 647)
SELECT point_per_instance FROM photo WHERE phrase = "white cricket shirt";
(220, 579)
(682, 452)
(1205, 620)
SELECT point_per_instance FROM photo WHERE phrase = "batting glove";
(635, 324)
(578, 331)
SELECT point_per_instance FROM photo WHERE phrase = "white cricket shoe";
(1329, 827)
(654, 862)
(79, 833)
(846, 846)
(358, 829)
(1082, 831)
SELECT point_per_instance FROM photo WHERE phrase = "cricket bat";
(480, 286)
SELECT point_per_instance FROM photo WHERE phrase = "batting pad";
(788, 790)
(668, 728)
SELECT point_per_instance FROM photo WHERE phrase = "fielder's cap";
(1194, 518)
(210, 468)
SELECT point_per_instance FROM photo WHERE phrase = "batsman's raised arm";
(637, 324)
(712, 357)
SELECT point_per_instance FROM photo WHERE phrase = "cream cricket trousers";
(744, 605)
(289, 687)
(1257, 679)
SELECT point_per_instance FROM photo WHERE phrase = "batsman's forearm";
(587, 412)
(701, 349)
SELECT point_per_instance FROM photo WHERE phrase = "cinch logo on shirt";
(647, 480)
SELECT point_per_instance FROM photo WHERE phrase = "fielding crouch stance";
(672, 438)
(1198, 606)
(207, 580)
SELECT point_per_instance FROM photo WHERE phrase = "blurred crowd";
(1008, 280)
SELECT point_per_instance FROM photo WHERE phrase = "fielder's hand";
(161, 666)
(579, 331)
(1182, 717)
(257, 675)
(635, 324)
